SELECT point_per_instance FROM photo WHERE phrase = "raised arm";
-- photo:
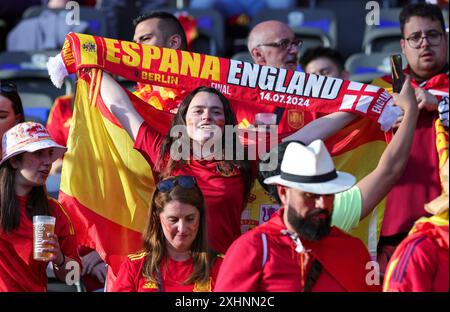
(120, 105)
(322, 128)
(393, 161)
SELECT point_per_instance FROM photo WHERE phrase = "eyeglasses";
(184, 181)
(8, 87)
(434, 38)
(283, 44)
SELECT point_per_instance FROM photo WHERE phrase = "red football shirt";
(222, 187)
(421, 261)
(245, 269)
(421, 174)
(18, 270)
(58, 123)
(173, 274)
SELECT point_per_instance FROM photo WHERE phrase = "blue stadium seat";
(211, 30)
(384, 37)
(364, 68)
(28, 71)
(37, 114)
(94, 17)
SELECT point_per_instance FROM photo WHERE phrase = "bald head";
(269, 32)
(266, 31)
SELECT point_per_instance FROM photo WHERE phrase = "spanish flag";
(106, 185)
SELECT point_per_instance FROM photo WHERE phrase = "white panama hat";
(28, 137)
(311, 169)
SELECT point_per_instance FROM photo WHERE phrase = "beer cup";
(42, 225)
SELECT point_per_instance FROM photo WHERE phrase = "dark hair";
(14, 97)
(425, 10)
(37, 203)
(318, 52)
(168, 24)
(154, 242)
(166, 164)
(262, 175)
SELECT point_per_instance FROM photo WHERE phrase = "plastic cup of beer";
(42, 226)
(265, 119)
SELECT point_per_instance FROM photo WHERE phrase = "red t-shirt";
(342, 257)
(222, 187)
(18, 270)
(173, 274)
(421, 175)
(59, 119)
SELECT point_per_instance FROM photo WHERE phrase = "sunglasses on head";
(184, 181)
(7, 87)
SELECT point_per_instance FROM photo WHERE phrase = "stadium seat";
(243, 56)
(364, 68)
(316, 27)
(37, 114)
(28, 71)
(211, 30)
(94, 17)
(386, 36)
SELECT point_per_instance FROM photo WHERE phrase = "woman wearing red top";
(175, 256)
(28, 153)
(202, 117)
(199, 124)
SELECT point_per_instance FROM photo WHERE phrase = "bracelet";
(62, 263)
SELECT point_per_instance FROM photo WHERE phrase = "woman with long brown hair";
(200, 123)
(201, 117)
(175, 255)
(28, 152)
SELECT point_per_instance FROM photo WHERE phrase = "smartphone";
(397, 72)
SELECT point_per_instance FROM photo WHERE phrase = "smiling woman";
(175, 255)
(28, 152)
(202, 115)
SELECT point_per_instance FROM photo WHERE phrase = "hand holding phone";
(398, 77)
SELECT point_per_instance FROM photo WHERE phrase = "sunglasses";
(8, 87)
(184, 181)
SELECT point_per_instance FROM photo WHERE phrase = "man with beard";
(298, 249)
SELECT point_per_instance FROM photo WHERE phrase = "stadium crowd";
(349, 203)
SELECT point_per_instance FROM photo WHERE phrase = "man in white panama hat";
(298, 249)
